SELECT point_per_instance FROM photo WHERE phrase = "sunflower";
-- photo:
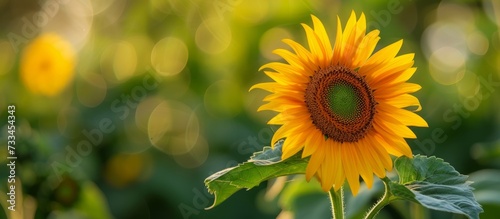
(47, 65)
(344, 107)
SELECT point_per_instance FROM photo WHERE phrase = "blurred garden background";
(123, 108)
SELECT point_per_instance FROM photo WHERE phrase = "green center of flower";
(341, 103)
(343, 100)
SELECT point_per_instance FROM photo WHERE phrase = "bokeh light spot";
(172, 127)
(124, 61)
(477, 43)
(123, 169)
(101, 5)
(271, 40)
(457, 14)
(144, 110)
(169, 56)
(440, 34)
(447, 65)
(213, 36)
(119, 61)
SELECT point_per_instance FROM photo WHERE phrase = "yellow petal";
(315, 162)
(348, 39)
(392, 69)
(406, 117)
(365, 170)
(291, 58)
(354, 39)
(302, 53)
(383, 156)
(396, 90)
(404, 76)
(328, 169)
(319, 58)
(350, 170)
(279, 67)
(394, 145)
(379, 59)
(269, 86)
(280, 78)
(337, 55)
(314, 140)
(275, 106)
(365, 48)
(392, 126)
(319, 29)
(374, 160)
(279, 134)
(292, 145)
(404, 100)
(392, 79)
(338, 168)
(277, 120)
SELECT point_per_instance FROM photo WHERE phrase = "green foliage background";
(200, 118)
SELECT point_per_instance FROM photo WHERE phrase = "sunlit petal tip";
(262, 108)
(398, 44)
(305, 26)
(362, 20)
(255, 86)
(353, 15)
(277, 51)
(269, 86)
(419, 108)
(424, 124)
(287, 41)
(267, 66)
(417, 87)
(315, 19)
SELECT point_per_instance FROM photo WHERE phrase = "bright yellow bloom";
(343, 106)
(47, 65)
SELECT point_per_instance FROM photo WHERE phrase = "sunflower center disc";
(341, 103)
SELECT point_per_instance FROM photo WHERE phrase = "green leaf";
(487, 186)
(262, 166)
(434, 184)
(268, 155)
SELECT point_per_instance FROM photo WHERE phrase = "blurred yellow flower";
(47, 65)
(124, 169)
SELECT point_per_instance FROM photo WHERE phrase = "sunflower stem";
(382, 202)
(337, 200)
